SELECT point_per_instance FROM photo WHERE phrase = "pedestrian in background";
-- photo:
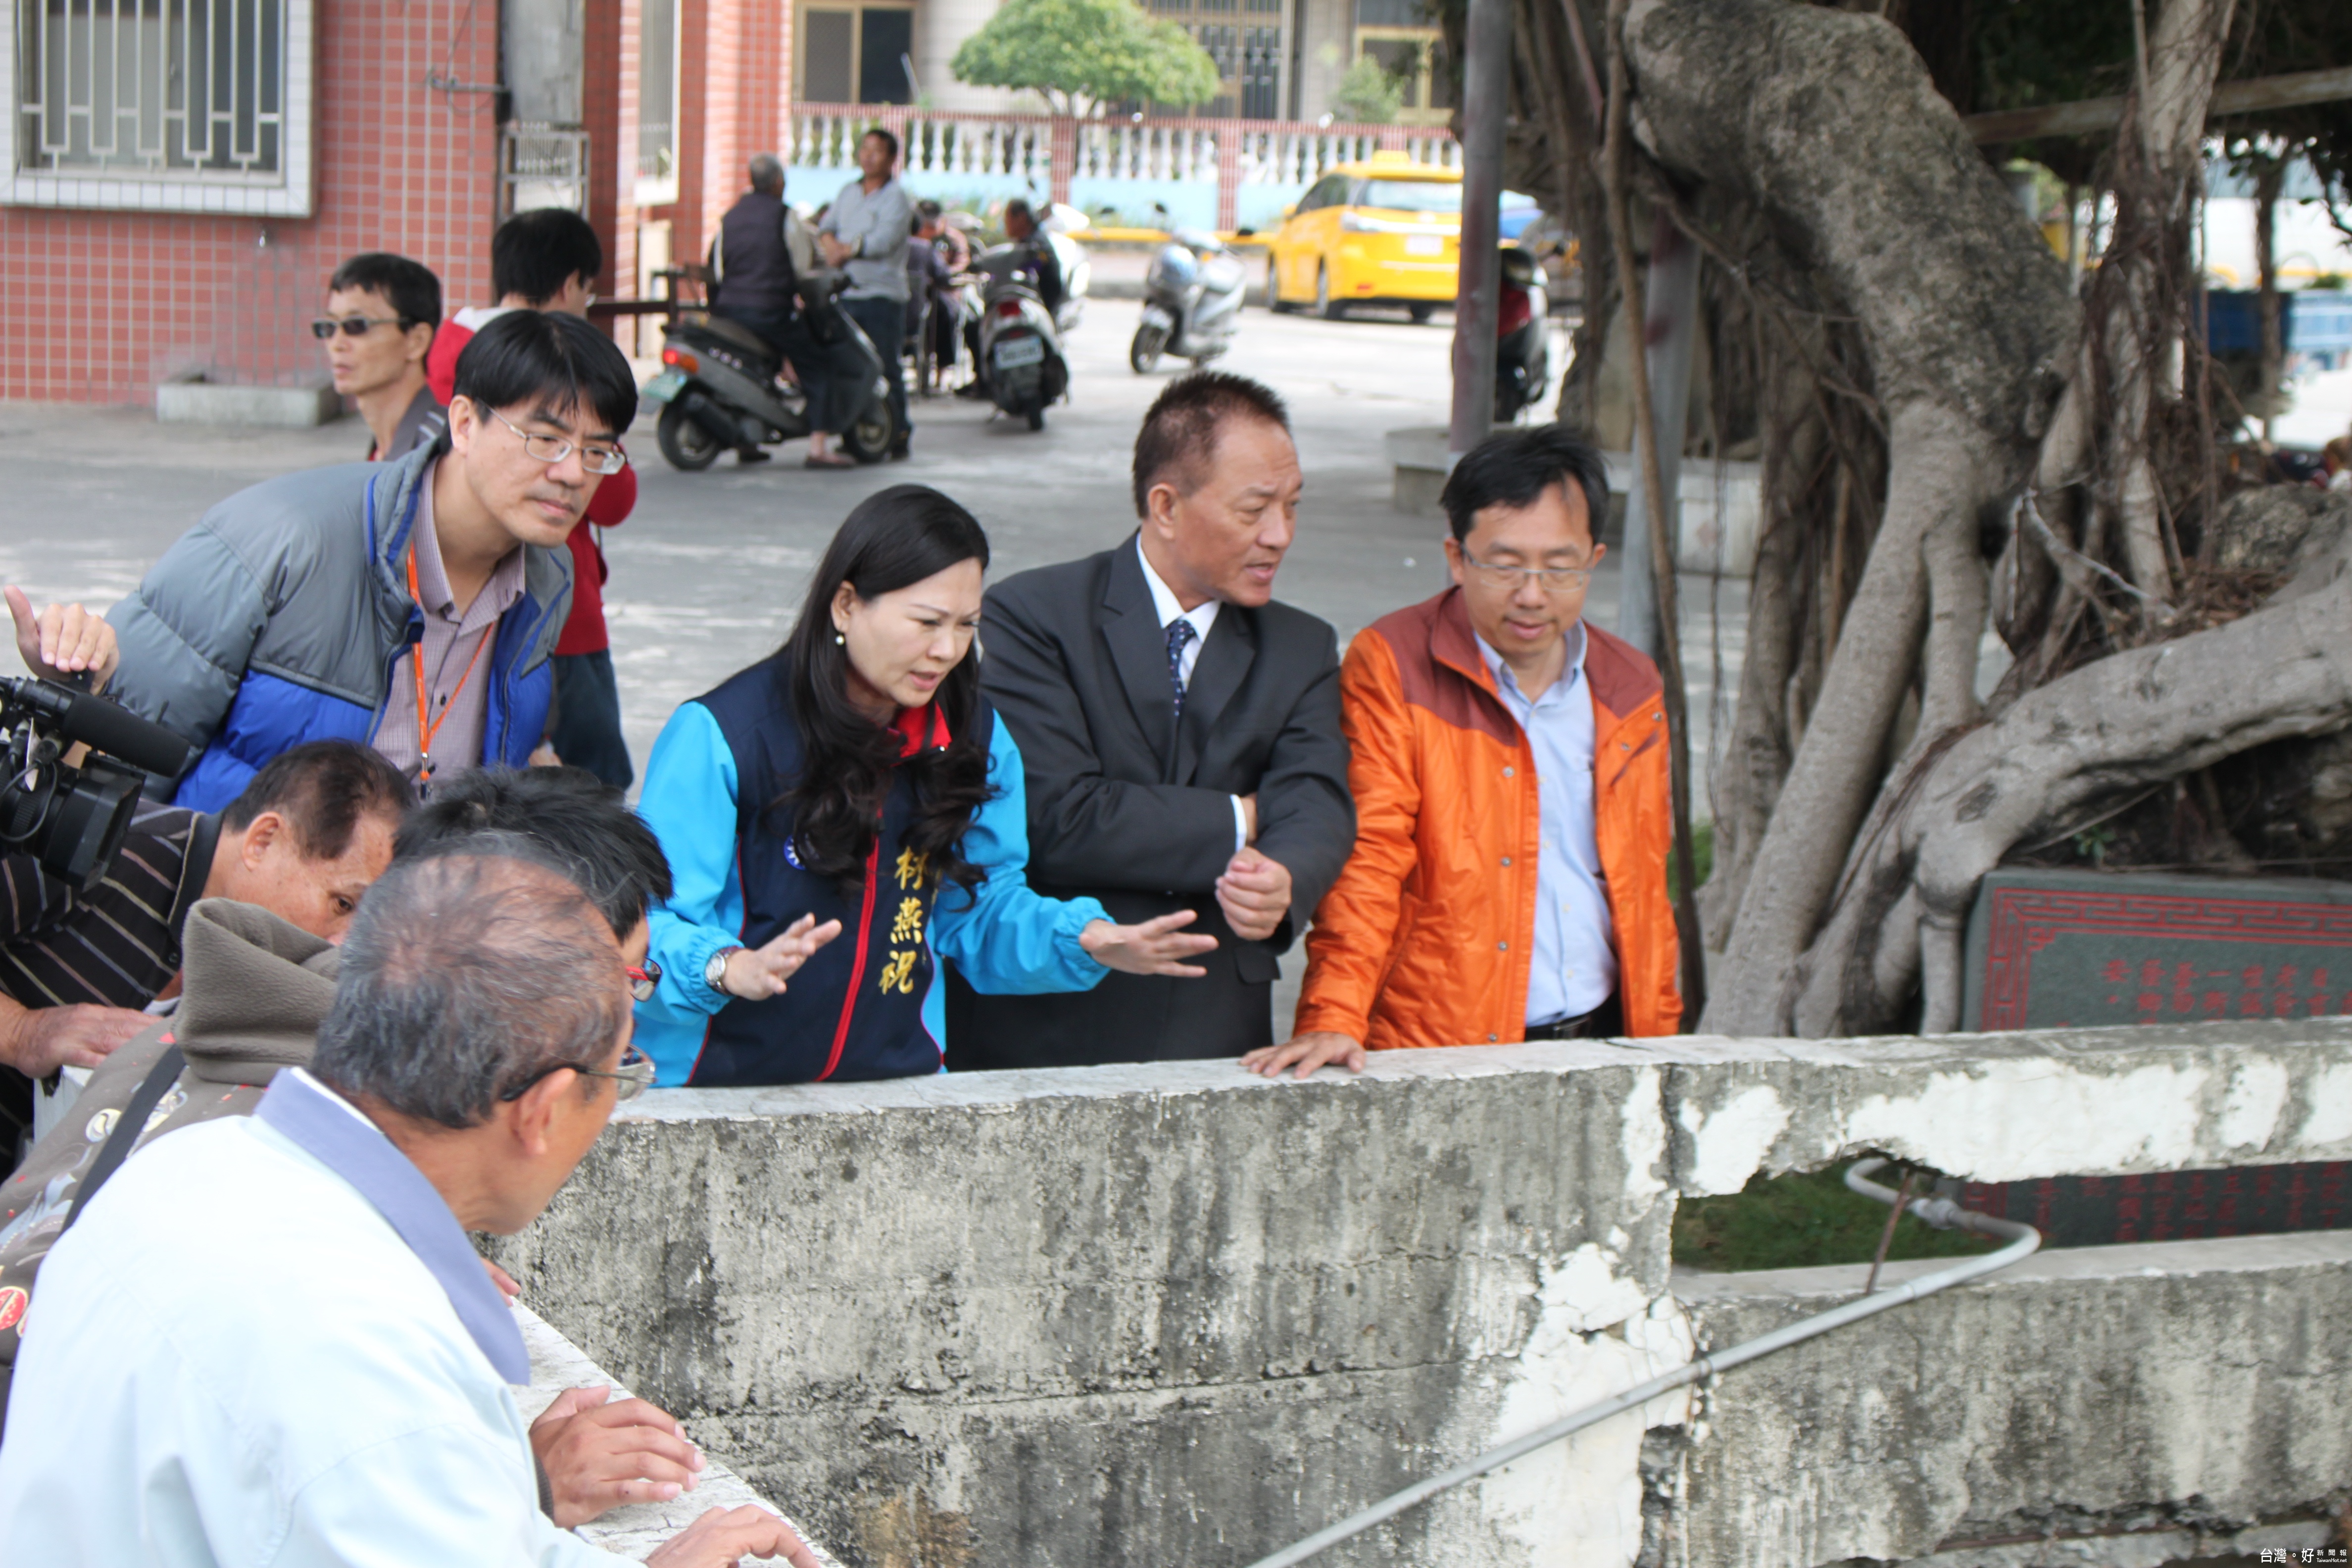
(268, 1339)
(857, 778)
(763, 260)
(865, 230)
(954, 252)
(549, 260)
(412, 604)
(926, 279)
(1181, 733)
(382, 313)
(1508, 762)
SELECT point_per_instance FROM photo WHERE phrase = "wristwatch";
(714, 974)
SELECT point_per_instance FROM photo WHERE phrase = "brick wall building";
(164, 214)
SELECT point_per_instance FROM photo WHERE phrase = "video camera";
(73, 819)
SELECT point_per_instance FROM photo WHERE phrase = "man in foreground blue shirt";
(268, 1341)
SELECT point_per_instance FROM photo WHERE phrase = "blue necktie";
(1181, 632)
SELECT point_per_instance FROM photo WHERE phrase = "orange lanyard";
(426, 730)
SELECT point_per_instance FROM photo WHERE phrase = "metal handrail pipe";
(1940, 1212)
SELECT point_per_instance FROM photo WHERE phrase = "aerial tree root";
(1826, 122)
(2100, 734)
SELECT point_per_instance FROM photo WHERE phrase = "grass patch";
(1804, 1222)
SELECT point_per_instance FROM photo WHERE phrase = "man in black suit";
(1181, 735)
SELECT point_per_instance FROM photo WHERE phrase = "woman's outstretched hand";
(1155, 947)
(756, 973)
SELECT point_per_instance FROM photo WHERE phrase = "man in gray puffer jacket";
(399, 605)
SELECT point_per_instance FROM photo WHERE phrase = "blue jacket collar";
(327, 1128)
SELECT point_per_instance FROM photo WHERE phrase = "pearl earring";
(839, 639)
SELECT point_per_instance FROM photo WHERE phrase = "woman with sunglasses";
(849, 808)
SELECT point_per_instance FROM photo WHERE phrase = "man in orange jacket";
(1509, 768)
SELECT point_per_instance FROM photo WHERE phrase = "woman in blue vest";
(844, 814)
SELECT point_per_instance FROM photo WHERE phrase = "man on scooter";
(1021, 228)
(1037, 256)
(757, 263)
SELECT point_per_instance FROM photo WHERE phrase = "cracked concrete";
(1178, 1315)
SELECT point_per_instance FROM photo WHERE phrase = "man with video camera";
(303, 839)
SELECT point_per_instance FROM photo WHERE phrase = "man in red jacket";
(549, 260)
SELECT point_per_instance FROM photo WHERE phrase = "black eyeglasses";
(356, 326)
(634, 1076)
(643, 981)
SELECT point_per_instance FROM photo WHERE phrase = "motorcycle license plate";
(666, 386)
(1015, 352)
(1425, 245)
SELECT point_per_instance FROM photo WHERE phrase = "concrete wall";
(634, 1530)
(2100, 1392)
(1174, 1314)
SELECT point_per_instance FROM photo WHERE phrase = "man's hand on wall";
(1255, 893)
(725, 1536)
(63, 641)
(37, 1041)
(598, 1456)
(1306, 1052)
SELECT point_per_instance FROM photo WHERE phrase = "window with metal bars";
(1261, 72)
(193, 89)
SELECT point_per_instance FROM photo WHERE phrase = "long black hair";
(833, 808)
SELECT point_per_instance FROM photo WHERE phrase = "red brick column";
(1063, 147)
(1229, 177)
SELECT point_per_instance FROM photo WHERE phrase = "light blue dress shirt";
(1573, 968)
(237, 1358)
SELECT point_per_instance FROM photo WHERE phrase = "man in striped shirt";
(304, 840)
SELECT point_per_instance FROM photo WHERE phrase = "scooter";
(1522, 335)
(1191, 301)
(719, 391)
(1020, 344)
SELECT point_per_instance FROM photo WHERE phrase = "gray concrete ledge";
(2122, 1406)
(636, 1530)
(268, 407)
(1177, 1313)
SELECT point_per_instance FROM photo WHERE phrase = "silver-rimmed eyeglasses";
(1553, 579)
(553, 449)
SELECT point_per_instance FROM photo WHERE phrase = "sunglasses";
(634, 1076)
(355, 326)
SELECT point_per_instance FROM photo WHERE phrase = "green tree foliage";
(1077, 54)
(1368, 95)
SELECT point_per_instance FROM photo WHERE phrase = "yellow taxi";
(1385, 232)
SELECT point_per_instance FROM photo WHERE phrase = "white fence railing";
(1051, 153)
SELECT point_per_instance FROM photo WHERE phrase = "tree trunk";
(2143, 277)
(1826, 122)
(2269, 175)
(2098, 734)
(1756, 758)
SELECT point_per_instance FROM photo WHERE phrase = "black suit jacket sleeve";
(1306, 818)
(1087, 830)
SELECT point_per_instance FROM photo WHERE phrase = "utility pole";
(1485, 93)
